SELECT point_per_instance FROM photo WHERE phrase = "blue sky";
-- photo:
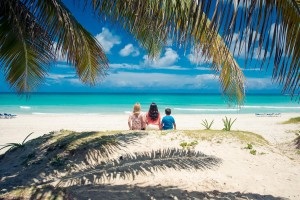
(130, 70)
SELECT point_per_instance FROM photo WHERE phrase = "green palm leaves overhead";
(28, 31)
(154, 22)
(268, 29)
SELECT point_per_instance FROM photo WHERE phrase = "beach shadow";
(43, 156)
(128, 166)
(88, 158)
(297, 142)
(110, 192)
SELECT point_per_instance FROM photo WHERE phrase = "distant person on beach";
(168, 121)
(136, 120)
(152, 118)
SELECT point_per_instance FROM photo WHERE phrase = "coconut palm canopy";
(33, 31)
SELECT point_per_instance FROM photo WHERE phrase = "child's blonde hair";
(136, 108)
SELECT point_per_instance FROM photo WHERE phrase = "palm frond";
(28, 31)
(187, 21)
(25, 47)
(129, 166)
(266, 27)
(153, 23)
(78, 45)
(26, 138)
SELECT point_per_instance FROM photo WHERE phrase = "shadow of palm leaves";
(297, 142)
(39, 156)
(128, 166)
(107, 192)
(157, 192)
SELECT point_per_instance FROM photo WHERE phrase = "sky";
(130, 70)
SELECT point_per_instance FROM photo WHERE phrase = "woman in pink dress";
(152, 118)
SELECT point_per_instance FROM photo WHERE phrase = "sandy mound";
(190, 164)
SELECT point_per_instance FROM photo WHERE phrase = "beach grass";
(294, 120)
(211, 135)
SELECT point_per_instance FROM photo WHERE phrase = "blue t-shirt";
(167, 122)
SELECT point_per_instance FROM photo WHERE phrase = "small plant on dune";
(206, 124)
(186, 145)
(253, 152)
(249, 146)
(228, 123)
(15, 145)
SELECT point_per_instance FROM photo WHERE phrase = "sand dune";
(271, 172)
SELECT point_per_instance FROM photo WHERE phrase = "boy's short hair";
(168, 111)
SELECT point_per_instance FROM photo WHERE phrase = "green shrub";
(227, 123)
(249, 146)
(253, 152)
(186, 145)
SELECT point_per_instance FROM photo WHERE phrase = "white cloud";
(107, 40)
(58, 54)
(167, 60)
(124, 66)
(260, 84)
(60, 76)
(160, 81)
(241, 44)
(197, 57)
(54, 78)
(129, 49)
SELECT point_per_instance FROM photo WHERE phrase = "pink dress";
(152, 124)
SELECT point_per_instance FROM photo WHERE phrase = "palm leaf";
(11, 145)
(78, 45)
(25, 47)
(129, 166)
(186, 22)
(28, 31)
(26, 138)
(153, 23)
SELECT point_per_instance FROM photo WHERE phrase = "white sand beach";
(16, 129)
(273, 173)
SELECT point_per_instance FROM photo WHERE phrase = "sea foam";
(25, 107)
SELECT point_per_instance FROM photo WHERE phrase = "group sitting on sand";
(150, 120)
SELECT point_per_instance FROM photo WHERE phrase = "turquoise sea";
(120, 103)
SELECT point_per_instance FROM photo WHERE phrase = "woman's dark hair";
(153, 111)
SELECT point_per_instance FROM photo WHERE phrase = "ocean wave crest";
(207, 109)
(273, 107)
(25, 107)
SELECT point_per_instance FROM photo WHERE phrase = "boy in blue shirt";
(168, 122)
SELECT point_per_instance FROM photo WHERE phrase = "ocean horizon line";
(122, 102)
(144, 93)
